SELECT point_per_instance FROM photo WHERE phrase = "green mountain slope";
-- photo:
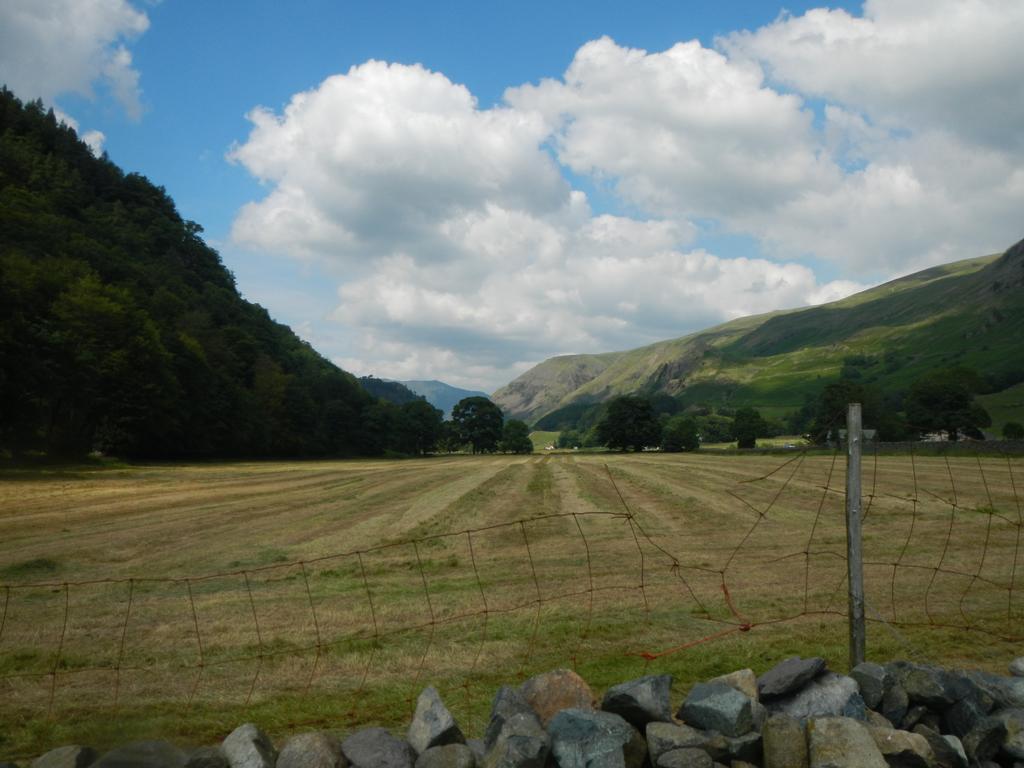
(121, 331)
(966, 313)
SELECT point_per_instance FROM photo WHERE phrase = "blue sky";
(518, 180)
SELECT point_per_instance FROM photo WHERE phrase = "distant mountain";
(392, 391)
(968, 313)
(441, 395)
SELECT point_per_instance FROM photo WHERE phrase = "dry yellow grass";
(177, 600)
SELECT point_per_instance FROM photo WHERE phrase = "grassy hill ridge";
(969, 312)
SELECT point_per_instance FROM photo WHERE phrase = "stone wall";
(796, 715)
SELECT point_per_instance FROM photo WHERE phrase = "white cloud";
(682, 133)
(54, 47)
(464, 254)
(950, 63)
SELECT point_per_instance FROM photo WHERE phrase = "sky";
(460, 190)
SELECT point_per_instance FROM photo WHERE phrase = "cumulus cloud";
(949, 63)
(54, 47)
(685, 132)
(465, 253)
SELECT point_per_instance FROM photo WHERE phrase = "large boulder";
(743, 680)
(788, 677)
(447, 756)
(143, 754)
(248, 747)
(871, 679)
(1013, 741)
(588, 739)
(717, 707)
(1017, 667)
(948, 751)
(924, 684)
(377, 748)
(665, 737)
(842, 742)
(830, 695)
(521, 743)
(784, 743)
(207, 757)
(641, 701)
(903, 749)
(550, 693)
(984, 740)
(71, 756)
(687, 757)
(432, 725)
(312, 750)
(507, 702)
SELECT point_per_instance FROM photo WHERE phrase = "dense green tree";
(478, 422)
(1013, 430)
(629, 422)
(419, 427)
(944, 401)
(830, 413)
(715, 428)
(747, 426)
(680, 434)
(121, 330)
(569, 438)
(515, 437)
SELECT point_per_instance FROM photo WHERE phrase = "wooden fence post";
(854, 554)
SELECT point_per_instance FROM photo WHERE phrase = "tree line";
(940, 403)
(122, 332)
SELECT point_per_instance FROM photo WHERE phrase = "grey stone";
(507, 702)
(758, 714)
(312, 750)
(687, 757)
(447, 756)
(743, 680)
(789, 676)
(871, 679)
(1013, 721)
(962, 717)
(948, 754)
(746, 748)
(71, 756)
(432, 725)
(207, 757)
(984, 740)
(913, 716)
(962, 685)
(521, 743)
(479, 748)
(902, 749)
(830, 695)
(664, 737)
(1012, 693)
(717, 707)
(377, 748)
(1017, 667)
(641, 701)
(895, 704)
(784, 743)
(877, 720)
(924, 684)
(587, 739)
(143, 754)
(248, 747)
(550, 693)
(841, 742)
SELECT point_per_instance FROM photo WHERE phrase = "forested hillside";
(121, 330)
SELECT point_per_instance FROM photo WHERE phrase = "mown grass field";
(180, 600)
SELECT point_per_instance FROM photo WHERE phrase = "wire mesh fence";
(643, 574)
